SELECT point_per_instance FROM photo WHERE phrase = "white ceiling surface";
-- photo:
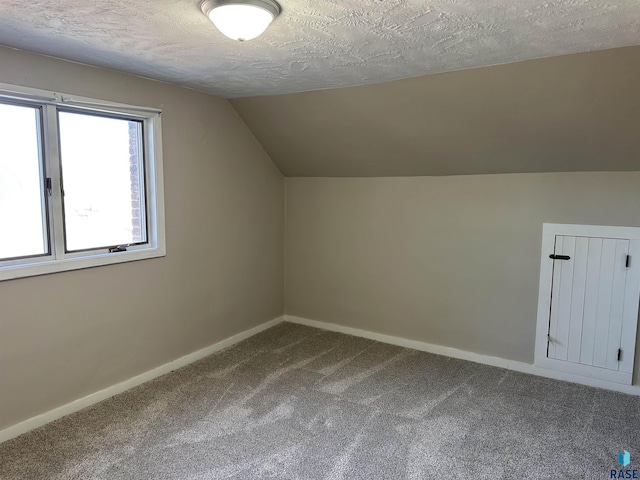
(315, 44)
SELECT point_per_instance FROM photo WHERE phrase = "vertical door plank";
(617, 304)
(564, 302)
(630, 315)
(605, 293)
(555, 299)
(578, 298)
(591, 301)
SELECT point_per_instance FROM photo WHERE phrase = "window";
(80, 183)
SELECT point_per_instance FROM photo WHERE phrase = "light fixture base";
(270, 6)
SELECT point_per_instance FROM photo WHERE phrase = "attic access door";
(588, 304)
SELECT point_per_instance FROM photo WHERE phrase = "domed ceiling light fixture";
(241, 19)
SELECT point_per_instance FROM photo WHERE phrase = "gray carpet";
(299, 403)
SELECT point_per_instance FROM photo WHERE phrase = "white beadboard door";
(587, 300)
(587, 319)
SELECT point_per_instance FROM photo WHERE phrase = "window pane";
(23, 229)
(103, 178)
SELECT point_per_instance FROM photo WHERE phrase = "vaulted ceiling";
(564, 114)
(314, 44)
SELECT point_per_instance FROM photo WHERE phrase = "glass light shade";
(240, 22)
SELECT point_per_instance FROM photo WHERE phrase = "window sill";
(76, 263)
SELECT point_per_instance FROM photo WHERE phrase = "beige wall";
(452, 261)
(66, 335)
(445, 260)
(573, 113)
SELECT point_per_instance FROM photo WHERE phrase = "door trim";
(624, 374)
(571, 230)
(585, 370)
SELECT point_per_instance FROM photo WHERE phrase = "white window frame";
(58, 260)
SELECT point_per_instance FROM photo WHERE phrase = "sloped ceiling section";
(314, 44)
(571, 113)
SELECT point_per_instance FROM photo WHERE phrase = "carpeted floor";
(299, 403)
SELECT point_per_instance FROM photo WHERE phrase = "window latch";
(118, 248)
(47, 185)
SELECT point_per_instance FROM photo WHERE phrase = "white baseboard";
(56, 413)
(470, 356)
(76, 405)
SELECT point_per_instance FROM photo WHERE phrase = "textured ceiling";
(315, 44)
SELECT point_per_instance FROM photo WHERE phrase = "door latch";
(559, 257)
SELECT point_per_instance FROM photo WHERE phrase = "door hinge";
(619, 354)
(628, 262)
